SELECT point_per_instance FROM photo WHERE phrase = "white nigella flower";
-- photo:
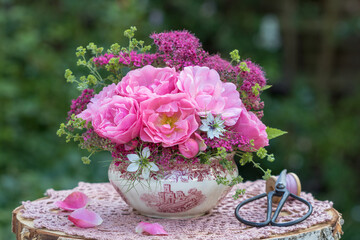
(213, 126)
(141, 161)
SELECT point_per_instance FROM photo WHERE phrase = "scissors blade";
(281, 181)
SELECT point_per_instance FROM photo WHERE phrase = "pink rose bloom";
(200, 141)
(250, 126)
(93, 106)
(117, 118)
(169, 119)
(210, 94)
(192, 146)
(147, 82)
(189, 148)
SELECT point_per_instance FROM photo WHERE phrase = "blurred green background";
(310, 50)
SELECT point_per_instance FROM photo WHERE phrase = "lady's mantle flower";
(213, 126)
(142, 161)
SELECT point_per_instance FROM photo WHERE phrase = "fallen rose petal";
(150, 228)
(85, 218)
(74, 201)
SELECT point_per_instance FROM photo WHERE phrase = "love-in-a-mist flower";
(213, 126)
(141, 160)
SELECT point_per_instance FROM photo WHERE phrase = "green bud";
(92, 47)
(99, 50)
(235, 55)
(246, 158)
(69, 76)
(91, 79)
(68, 73)
(256, 89)
(267, 174)
(114, 49)
(80, 51)
(222, 180)
(243, 66)
(146, 48)
(60, 132)
(238, 192)
(85, 160)
(82, 86)
(261, 153)
(81, 62)
(130, 33)
(271, 158)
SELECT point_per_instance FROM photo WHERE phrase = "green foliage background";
(37, 43)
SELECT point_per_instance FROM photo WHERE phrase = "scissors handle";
(285, 224)
(268, 214)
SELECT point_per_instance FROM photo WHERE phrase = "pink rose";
(147, 82)
(169, 119)
(250, 126)
(189, 148)
(93, 106)
(200, 141)
(210, 94)
(117, 118)
(192, 146)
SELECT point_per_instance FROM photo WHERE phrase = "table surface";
(40, 219)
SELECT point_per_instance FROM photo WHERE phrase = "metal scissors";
(280, 191)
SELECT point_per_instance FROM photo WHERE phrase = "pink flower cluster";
(179, 49)
(164, 107)
(79, 104)
(250, 79)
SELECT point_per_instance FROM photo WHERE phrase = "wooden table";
(24, 229)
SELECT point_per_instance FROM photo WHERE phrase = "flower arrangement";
(177, 105)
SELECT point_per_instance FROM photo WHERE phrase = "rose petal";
(74, 201)
(85, 218)
(150, 229)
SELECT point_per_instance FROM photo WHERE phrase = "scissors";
(280, 191)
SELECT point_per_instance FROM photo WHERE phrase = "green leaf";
(265, 87)
(274, 133)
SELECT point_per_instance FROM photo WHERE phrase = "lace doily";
(120, 220)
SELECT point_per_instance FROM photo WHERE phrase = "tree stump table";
(41, 220)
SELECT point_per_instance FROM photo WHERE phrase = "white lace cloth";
(120, 220)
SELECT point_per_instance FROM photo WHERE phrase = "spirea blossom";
(250, 79)
(179, 48)
(79, 104)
